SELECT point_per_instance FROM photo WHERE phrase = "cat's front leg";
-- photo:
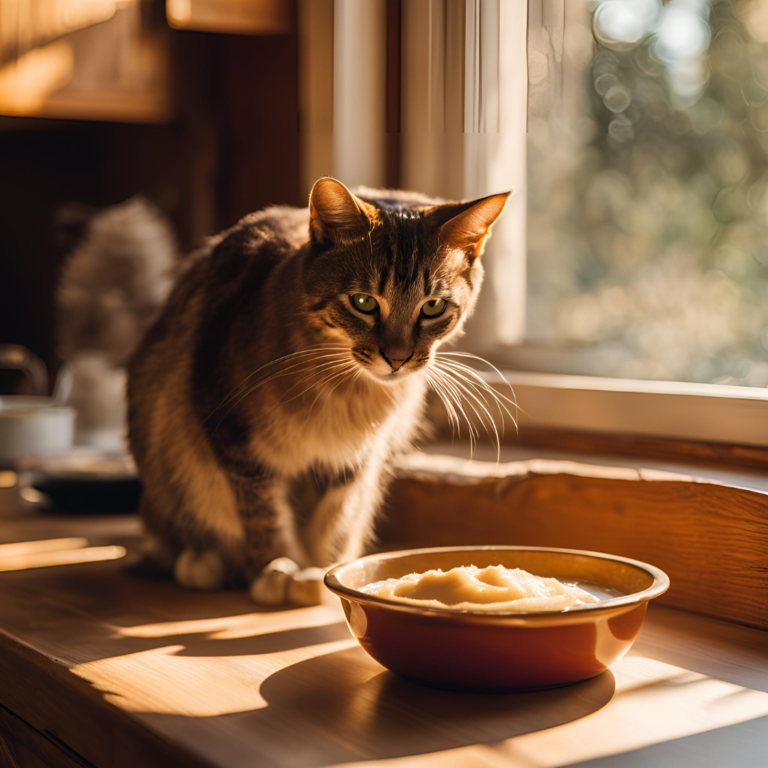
(342, 523)
(274, 555)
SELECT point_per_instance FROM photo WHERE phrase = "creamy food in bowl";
(494, 588)
(496, 618)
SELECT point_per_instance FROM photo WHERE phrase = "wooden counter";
(102, 668)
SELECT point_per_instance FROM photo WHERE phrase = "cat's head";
(394, 280)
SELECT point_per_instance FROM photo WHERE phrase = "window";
(647, 195)
(634, 133)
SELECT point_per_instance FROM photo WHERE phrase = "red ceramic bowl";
(498, 651)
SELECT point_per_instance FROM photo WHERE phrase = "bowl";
(498, 651)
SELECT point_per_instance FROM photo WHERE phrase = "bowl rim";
(658, 587)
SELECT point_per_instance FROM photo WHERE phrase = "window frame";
(484, 141)
(666, 410)
(670, 410)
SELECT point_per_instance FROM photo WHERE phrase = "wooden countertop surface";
(100, 667)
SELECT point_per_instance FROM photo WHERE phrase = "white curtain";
(463, 115)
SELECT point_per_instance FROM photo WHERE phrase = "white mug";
(33, 425)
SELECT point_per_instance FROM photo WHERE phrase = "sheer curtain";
(460, 112)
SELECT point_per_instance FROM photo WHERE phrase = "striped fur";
(264, 408)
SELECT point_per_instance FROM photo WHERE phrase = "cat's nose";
(397, 359)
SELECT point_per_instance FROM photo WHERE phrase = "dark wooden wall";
(232, 148)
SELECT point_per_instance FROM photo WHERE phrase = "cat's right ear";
(335, 213)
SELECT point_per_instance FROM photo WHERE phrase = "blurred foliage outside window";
(648, 202)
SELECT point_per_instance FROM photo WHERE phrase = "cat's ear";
(466, 226)
(335, 213)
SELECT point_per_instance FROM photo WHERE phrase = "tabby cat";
(289, 366)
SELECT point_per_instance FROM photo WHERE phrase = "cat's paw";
(282, 581)
(199, 570)
(270, 587)
(306, 587)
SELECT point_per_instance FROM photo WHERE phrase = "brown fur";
(264, 408)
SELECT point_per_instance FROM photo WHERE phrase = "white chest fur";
(344, 430)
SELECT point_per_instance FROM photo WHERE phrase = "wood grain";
(101, 668)
(21, 746)
(679, 451)
(711, 539)
(121, 671)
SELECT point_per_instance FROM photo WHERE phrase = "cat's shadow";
(342, 707)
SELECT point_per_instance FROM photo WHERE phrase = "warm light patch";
(176, 684)
(23, 548)
(232, 683)
(178, 11)
(255, 17)
(8, 479)
(24, 555)
(654, 703)
(32, 495)
(26, 83)
(227, 626)
(230, 627)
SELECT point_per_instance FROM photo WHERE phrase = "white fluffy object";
(116, 281)
(112, 288)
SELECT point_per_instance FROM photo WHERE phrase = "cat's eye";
(434, 308)
(364, 303)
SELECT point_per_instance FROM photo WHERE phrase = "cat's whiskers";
(329, 358)
(253, 387)
(486, 362)
(479, 380)
(347, 366)
(481, 391)
(480, 387)
(450, 396)
(451, 413)
(460, 397)
(459, 385)
(308, 351)
(324, 368)
(306, 354)
(470, 395)
(248, 391)
(343, 374)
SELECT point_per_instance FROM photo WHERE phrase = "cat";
(287, 369)
(112, 287)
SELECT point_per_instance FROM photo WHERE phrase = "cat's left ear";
(335, 213)
(468, 225)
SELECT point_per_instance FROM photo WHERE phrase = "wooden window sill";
(708, 529)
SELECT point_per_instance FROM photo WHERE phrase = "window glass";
(647, 196)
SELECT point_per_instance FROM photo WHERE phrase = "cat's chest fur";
(351, 428)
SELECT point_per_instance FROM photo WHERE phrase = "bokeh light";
(648, 204)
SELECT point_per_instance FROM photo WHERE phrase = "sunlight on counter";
(52, 552)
